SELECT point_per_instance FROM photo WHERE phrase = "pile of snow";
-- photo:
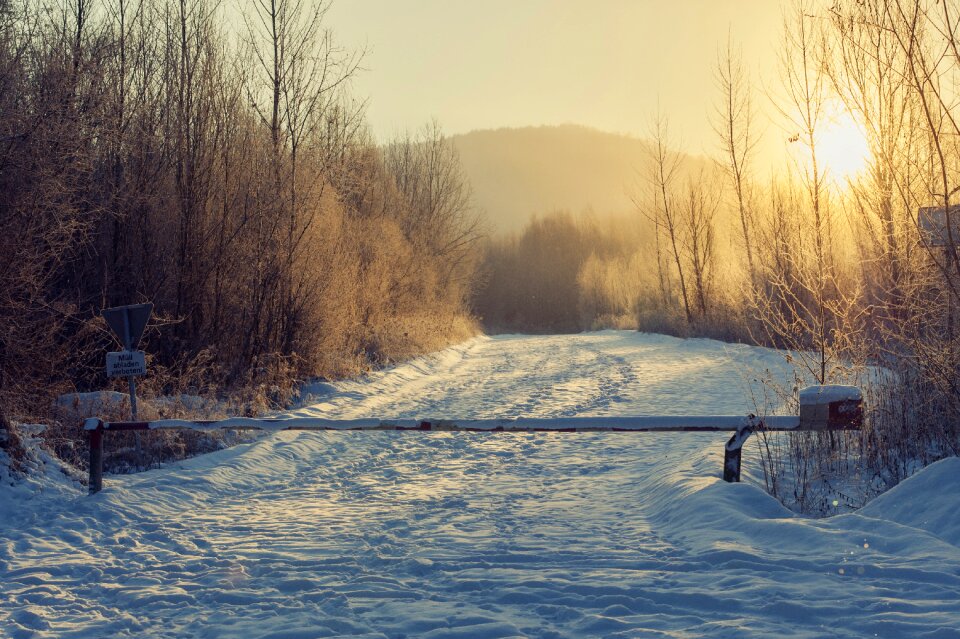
(35, 476)
(828, 394)
(400, 534)
(919, 502)
(93, 403)
(112, 405)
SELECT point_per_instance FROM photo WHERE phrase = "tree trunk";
(8, 437)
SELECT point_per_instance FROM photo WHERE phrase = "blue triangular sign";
(128, 322)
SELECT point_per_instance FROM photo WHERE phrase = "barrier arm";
(821, 408)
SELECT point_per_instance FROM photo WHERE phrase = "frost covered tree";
(734, 125)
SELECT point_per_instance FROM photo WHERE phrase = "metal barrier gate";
(821, 408)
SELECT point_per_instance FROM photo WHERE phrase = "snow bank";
(39, 478)
(921, 501)
(94, 403)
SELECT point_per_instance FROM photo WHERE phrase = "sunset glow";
(843, 148)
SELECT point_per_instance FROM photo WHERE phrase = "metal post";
(95, 484)
(133, 417)
(948, 255)
(733, 451)
(128, 345)
(133, 397)
(132, 382)
(732, 456)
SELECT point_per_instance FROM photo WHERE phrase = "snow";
(909, 503)
(99, 402)
(829, 393)
(603, 373)
(437, 534)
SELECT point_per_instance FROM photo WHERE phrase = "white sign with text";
(126, 364)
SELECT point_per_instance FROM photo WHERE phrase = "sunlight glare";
(843, 148)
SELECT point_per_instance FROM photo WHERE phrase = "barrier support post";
(733, 451)
(95, 483)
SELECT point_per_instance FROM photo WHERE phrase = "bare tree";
(303, 71)
(805, 79)
(664, 173)
(733, 123)
(698, 211)
(870, 73)
(440, 215)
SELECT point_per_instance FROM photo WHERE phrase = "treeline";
(838, 271)
(149, 154)
(569, 273)
(566, 273)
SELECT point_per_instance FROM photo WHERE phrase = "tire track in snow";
(568, 385)
(507, 376)
(606, 373)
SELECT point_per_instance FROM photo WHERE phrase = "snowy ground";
(398, 534)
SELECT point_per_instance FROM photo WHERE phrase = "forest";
(213, 162)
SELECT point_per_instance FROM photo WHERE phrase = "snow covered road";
(399, 534)
(604, 373)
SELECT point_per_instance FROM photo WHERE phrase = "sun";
(842, 147)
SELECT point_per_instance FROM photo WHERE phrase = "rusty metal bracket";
(733, 451)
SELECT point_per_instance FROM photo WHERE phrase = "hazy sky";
(603, 63)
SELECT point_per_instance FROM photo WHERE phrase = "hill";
(517, 173)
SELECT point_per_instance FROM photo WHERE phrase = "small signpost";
(935, 227)
(940, 228)
(128, 323)
(126, 364)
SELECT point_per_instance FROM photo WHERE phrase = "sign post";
(128, 323)
(940, 227)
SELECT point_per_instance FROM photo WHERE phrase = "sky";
(606, 64)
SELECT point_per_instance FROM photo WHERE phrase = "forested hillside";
(213, 162)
